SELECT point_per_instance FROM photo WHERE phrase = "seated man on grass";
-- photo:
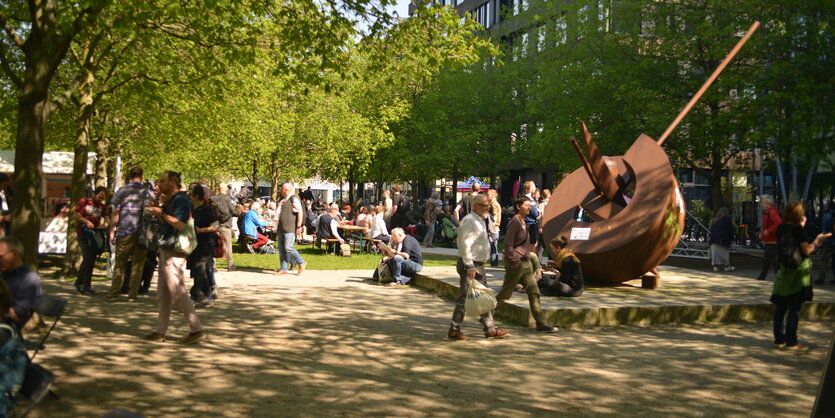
(404, 257)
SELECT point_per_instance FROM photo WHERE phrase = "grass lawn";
(318, 260)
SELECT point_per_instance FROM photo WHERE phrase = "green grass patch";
(317, 259)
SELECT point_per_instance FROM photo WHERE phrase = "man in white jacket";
(473, 252)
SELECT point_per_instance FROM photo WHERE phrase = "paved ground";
(330, 343)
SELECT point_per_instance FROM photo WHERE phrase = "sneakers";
(231, 268)
(457, 335)
(193, 337)
(779, 346)
(302, 266)
(715, 268)
(729, 268)
(797, 347)
(546, 328)
(496, 333)
(155, 336)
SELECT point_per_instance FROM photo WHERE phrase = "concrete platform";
(685, 296)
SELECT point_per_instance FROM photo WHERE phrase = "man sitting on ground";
(252, 221)
(405, 259)
(24, 284)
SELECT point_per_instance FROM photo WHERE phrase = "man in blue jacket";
(406, 258)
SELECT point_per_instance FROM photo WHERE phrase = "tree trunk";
(78, 186)
(101, 162)
(27, 210)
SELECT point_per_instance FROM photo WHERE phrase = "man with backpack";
(125, 223)
(224, 209)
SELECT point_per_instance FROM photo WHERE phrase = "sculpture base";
(650, 282)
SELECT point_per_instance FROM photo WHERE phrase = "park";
(657, 177)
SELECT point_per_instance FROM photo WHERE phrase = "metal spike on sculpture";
(623, 215)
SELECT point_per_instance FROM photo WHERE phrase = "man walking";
(172, 285)
(125, 224)
(224, 210)
(290, 223)
(473, 252)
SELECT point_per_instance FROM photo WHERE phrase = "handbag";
(480, 299)
(383, 274)
(220, 246)
(183, 241)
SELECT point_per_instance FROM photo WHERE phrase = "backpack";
(13, 362)
(789, 255)
(344, 250)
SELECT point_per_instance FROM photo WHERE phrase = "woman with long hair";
(792, 286)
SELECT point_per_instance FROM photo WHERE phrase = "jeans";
(200, 268)
(769, 259)
(402, 269)
(463, 286)
(171, 290)
(789, 337)
(430, 233)
(89, 251)
(286, 252)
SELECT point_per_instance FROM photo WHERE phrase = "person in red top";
(91, 217)
(768, 235)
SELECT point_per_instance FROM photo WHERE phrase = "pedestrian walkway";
(685, 296)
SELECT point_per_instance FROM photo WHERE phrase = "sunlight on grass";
(317, 259)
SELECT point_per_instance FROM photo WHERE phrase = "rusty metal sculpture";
(623, 215)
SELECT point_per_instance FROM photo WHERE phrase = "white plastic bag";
(480, 299)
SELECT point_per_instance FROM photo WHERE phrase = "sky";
(402, 8)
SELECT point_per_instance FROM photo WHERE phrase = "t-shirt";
(204, 217)
(131, 200)
(90, 210)
(179, 207)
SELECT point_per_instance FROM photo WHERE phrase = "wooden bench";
(327, 241)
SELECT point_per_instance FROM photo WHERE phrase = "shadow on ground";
(277, 347)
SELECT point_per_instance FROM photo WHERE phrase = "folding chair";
(49, 306)
(36, 384)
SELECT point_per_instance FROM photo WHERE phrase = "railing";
(694, 241)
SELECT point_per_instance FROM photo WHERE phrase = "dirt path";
(331, 344)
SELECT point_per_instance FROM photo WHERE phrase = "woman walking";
(520, 264)
(792, 286)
